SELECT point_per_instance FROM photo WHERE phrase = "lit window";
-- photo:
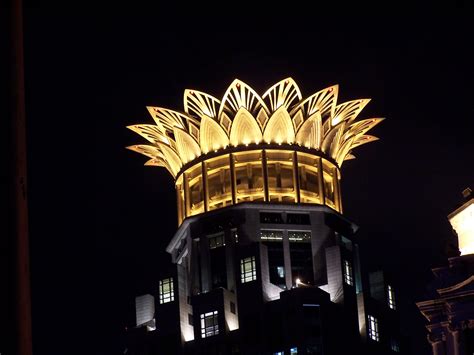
(391, 297)
(294, 351)
(373, 328)
(216, 241)
(279, 353)
(166, 290)
(299, 237)
(271, 235)
(348, 279)
(248, 271)
(209, 324)
(394, 345)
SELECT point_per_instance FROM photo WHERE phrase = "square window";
(373, 328)
(348, 278)
(248, 270)
(209, 324)
(391, 297)
(166, 290)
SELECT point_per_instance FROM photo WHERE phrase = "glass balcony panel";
(248, 176)
(196, 193)
(219, 182)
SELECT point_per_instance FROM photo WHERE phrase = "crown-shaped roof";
(243, 117)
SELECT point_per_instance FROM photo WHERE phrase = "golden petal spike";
(363, 140)
(323, 101)
(279, 128)
(147, 150)
(344, 150)
(171, 158)
(332, 135)
(337, 141)
(363, 126)
(349, 156)
(168, 119)
(309, 134)
(188, 148)
(245, 129)
(200, 104)
(284, 93)
(212, 135)
(348, 111)
(239, 95)
(150, 132)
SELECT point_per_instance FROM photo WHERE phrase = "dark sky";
(100, 221)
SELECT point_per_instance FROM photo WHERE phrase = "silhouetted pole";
(17, 303)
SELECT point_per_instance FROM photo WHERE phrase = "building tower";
(265, 261)
(450, 312)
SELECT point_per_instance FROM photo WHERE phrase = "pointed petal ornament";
(323, 101)
(348, 111)
(309, 135)
(245, 129)
(240, 95)
(242, 117)
(284, 93)
(200, 104)
(212, 136)
(188, 148)
(171, 158)
(150, 132)
(279, 128)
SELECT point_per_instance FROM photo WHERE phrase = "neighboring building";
(450, 314)
(265, 262)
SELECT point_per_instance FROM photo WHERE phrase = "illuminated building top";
(276, 147)
(462, 221)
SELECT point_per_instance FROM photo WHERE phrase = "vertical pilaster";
(296, 179)
(321, 182)
(265, 175)
(287, 259)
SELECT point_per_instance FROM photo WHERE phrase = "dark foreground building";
(450, 312)
(264, 260)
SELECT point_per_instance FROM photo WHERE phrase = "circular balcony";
(278, 174)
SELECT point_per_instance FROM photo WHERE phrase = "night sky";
(100, 220)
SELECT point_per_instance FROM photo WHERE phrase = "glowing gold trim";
(279, 128)
(302, 144)
(245, 129)
(212, 136)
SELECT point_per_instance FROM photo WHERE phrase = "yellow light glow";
(242, 119)
(462, 221)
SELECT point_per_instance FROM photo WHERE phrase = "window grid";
(166, 290)
(216, 241)
(391, 297)
(373, 328)
(348, 279)
(248, 271)
(209, 324)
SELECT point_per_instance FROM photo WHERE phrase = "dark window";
(216, 241)
(232, 307)
(297, 218)
(270, 217)
(190, 319)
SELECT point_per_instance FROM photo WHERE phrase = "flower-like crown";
(242, 117)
